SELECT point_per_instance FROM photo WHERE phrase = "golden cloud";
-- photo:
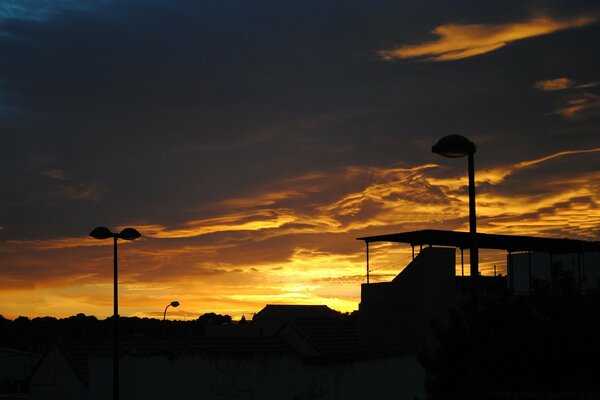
(580, 107)
(261, 200)
(552, 85)
(243, 221)
(11, 246)
(587, 85)
(304, 252)
(458, 41)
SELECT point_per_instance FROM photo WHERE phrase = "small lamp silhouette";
(455, 146)
(126, 234)
(174, 304)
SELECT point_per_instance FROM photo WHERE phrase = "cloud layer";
(251, 143)
(300, 247)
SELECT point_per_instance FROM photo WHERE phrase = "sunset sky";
(251, 143)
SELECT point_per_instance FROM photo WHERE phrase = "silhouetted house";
(273, 316)
(15, 368)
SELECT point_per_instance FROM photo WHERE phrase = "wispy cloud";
(64, 187)
(496, 175)
(242, 221)
(540, 160)
(261, 200)
(580, 107)
(458, 41)
(587, 85)
(56, 173)
(92, 191)
(579, 104)
(553, 85)
(39, 10)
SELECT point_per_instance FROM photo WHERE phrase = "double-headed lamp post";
(172, 304)
(455, 146)
(126, 234)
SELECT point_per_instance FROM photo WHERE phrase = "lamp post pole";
(174, 304)
(116, 326)
(454, 146)
(126, 234)
(474, 252)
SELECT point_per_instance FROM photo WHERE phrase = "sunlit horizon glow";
(245, 257)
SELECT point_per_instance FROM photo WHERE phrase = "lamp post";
(126, 234)
(174, 304)
(455, 146)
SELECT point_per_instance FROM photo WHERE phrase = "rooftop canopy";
(511, 243)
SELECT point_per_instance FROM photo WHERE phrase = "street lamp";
(455, 146)
(174, 304)
(126, 234)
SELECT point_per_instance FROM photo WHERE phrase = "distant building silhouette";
(273, 316)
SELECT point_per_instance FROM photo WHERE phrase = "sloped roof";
(295, 311)
(487, 241)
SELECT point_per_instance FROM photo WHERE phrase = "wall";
(397, 313)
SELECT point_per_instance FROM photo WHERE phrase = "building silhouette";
(312, 351)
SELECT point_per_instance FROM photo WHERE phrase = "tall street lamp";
(455, 146)
(126, 234)
(174, 304)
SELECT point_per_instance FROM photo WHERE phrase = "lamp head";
(175, 303)
(101, 232)
(454, 146)
(129, 234)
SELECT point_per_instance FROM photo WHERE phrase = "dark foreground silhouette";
(37, 334)
(545, 345)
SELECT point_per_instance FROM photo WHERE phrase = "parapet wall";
(397, 313)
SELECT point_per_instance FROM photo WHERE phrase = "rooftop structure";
(535, 257)
(510, 243)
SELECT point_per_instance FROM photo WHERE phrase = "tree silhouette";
(546, 342)
(37, 334)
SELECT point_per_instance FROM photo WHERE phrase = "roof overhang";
(511, 243)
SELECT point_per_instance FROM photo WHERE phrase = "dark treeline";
(547, 342)
(37, 334)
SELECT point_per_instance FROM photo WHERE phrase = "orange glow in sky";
(251, 143)
(259, 251)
